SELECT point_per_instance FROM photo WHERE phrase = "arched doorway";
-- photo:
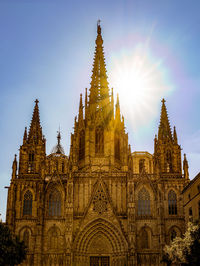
(100, 243)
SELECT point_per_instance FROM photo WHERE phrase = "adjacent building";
(102, 204)
(191, 200)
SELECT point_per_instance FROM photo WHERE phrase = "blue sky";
(46, 52)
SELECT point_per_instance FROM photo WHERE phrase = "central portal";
(99, 261)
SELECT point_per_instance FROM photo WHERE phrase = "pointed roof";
(175, 136)
(99, 91)
(35, 130)
(164, 131)
(58, 149)
(80, 114)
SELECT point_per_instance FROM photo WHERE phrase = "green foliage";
(12, 250)
(184, 251)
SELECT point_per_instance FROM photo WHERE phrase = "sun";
(141, 82)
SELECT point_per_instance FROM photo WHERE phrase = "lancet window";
(144, 239)
(82, 145)
(31, 158)
(99, 140)
(172, 203)
(55, 203)
(26, 238)
(173, 234)
(144, 203)
(27, 204)
(141, 165)
(53, 239)
(117, 145)
(168, 161)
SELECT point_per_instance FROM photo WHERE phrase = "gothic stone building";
(102, 204)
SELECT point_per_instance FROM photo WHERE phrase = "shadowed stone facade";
(102, 204)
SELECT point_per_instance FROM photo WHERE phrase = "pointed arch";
(27, 203)
(100, 229)
(54, 237)
(172, 203)
(26, 238)
(99, 140)
(82, 145)
(168, 166)
(54, 203)
(144, 238)
(144, 207)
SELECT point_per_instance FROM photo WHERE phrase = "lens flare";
(141, 81)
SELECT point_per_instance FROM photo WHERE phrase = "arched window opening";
(55, 203)
(144, 203)
(82, 145)
(172, 203)
(168, 161)
(99, 140)
(141, 165)
(27, 206)
(53, 239)
(26, 238)
(117, 145)
(56, 165)
(31, 158)
(173, 234)
(144, 239)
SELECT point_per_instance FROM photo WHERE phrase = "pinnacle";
(35, 130)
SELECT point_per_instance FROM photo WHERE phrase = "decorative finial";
(36, 101)
(58, 136)
(163, 101)
(98, 26)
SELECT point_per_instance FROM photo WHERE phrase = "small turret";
(117, 109)
(80, 114)
(185, 167)
(175, 136)
(14, 167)
(25, 136)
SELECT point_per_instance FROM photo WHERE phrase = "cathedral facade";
(102, 204)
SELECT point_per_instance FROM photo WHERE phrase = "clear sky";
(46, 52)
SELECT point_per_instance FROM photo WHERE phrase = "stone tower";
(102, 204)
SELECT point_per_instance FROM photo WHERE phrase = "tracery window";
(144, 239)
(31, 158)
(82, 145)
(117, 145)
(144, 202)
(172, 203)
(99, 140)
(27, 204)
(26, 238)
(55, 203)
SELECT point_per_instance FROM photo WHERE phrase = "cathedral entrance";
(99, 261)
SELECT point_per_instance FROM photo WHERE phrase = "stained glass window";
(27, 206)
(55, 203)
(144, 202)
(172, 203)
(99, 140)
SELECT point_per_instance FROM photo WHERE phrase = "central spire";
(99, 91)
(164, 131)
